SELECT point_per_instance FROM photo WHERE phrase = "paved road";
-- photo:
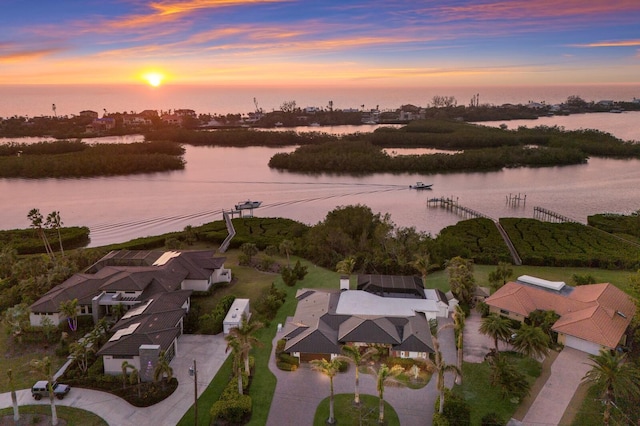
(209, 353)
(298, 393)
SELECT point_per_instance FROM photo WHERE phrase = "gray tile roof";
(317, 328)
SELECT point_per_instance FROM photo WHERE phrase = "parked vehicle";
(41, 389)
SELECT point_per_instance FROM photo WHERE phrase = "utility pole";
(193, 371)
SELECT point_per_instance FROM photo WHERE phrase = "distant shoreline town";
(88, 123)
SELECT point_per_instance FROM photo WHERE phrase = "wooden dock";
(452, 205)
(547, 215)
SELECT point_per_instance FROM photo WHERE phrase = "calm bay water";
(69, 99)
(121, 208)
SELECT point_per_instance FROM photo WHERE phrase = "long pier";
(547, 215)
(452, 205)
(230, 229)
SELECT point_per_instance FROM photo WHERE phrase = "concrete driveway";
(298, 393)
(209, 353)
(567, 372)
(476, 344)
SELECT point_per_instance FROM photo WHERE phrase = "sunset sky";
(289, 42)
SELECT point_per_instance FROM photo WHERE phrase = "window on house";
(503, 312)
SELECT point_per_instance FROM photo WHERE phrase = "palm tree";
(14, 398)
(353, 355)
(440, 367)
(329, 369)
(44, 367)
(345, 266)
(249, 250)
(531, 341)
(79, 352)
(162, 368)
(458, 325)
(499, 277)
(384, 375)
(246, 340)
(54, 222)
(497, 327)
(70, 310)
(286, 247)
(36, 219)
(618, 378)
(134, 376)
(234, 345)
(422, 263)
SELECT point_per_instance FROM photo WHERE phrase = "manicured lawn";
(348, 414)
(17, 357)
(73, 416)
(484, 398)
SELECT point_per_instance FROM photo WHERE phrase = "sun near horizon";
(154, 78)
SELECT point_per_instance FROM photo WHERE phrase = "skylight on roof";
(124, 332)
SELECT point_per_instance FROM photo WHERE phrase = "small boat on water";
(248, 205)
(420, 185)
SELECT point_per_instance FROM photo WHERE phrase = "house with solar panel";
(392, 311)
(151, 288)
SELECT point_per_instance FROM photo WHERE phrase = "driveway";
(567, 372)
(298, 393)
(476, 344)
(209, 353)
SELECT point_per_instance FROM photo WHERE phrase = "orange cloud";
(526, 9)
(19, 55)
(619, 43)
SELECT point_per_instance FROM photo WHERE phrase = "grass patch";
(17, 357)
(482, 397)
(73, 416)
(348, 414)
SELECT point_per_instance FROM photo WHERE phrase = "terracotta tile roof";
(599, 313)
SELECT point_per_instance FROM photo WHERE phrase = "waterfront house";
(151, 288)
(325, 320)
(592, 317)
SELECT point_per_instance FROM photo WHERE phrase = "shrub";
(491, 419)
(266, 263)
(212, 323)
(289, 359)
(232, 406)
(285, 366)
(299, 271)
(439, 420)
(280, 346)
(289, 276)
(406, 363)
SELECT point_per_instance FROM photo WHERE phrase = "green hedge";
(232, 407)
(569, 245)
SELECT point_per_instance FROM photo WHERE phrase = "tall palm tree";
(329, 369)
(14, 398)
(618, 378)
(384, 375)
(244, 334)
(286, 248)
(69, 308)
(458, 325)
(54, 222)
(531, 341)
(37, 223)
(497, 327)
(162, 369)
(440, 367)
(234, 344)
(353, 355)
(44, 367)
